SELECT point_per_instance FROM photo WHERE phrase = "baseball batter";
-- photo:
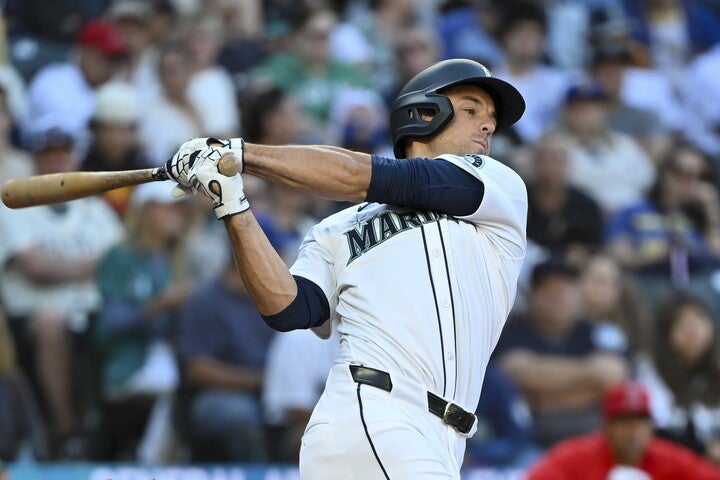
(419, 278)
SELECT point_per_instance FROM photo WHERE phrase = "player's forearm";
(329, 172)
(266, 276)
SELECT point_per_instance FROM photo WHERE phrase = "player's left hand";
(226, 193)
(179, 165)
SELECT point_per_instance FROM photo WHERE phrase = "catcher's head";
(423, 94)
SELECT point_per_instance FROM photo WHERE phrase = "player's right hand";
(226, 193)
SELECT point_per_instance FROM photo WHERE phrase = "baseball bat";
(66, 186)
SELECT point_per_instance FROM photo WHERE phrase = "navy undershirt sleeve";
(423, 184)
(309, 309)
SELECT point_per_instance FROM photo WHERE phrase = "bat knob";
(229, 165)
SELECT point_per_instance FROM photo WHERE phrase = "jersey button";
(451, 357)
(445, 303)
(436, 252)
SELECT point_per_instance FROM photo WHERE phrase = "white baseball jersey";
(421, 295)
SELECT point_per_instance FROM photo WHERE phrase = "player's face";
(471, 128)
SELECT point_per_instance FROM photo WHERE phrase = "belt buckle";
(454, 415)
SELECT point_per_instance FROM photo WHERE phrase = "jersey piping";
(367, 434)
(452, 305)
(437, 307)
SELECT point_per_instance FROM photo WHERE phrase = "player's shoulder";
(478, 162)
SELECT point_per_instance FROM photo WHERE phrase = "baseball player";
(419, 278)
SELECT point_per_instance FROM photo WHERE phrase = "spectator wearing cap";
(48, 257)
(624, 449)
(609, 166)
(144, 282)
(115, 144)
(69, 88)
(560, 362)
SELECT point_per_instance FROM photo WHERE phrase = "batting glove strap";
(235, 206)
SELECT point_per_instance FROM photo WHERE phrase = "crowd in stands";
(126, 333)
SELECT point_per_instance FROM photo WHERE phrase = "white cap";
(155, 192)
(117, 102)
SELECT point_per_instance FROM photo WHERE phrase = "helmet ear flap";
(407, 120)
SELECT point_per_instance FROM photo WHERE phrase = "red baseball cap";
(626, 399)
(103, 35)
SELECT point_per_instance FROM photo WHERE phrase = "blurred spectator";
(68, 89)
(298, 363)
(270, 116)
(641, 102)
(560, 362)
(49, 256)
(14, 163)
(172, 118)
(683, 376)
(504, 438)
(609, 295)
(359, 116)
(469, 28)
(41, 33)
(700, 92)
(115, 144)
(671, 238)
(306, 70)
(11, 80)
(143, 286)
(370, 36)
(610, 32)
(223, 345)
(244, 45)
(523, 34)
(21, 422)
(673, 31)
(601, 157)
(417, 49)
(211, 88)
(134, 19)
(561, 218)
(625, 448)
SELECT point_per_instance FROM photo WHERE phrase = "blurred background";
(127, 336)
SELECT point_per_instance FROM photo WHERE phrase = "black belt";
(449, 412)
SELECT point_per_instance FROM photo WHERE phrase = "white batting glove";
(179, 165)
(226, 193)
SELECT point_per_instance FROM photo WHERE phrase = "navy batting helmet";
(422, 92)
